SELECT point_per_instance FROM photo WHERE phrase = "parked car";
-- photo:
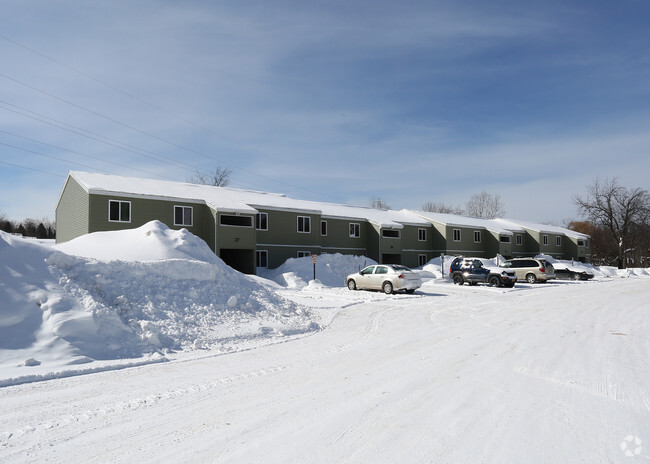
(570, 274)
(531, 269)
(388, 278)
(479, 270)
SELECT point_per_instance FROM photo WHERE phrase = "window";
(477, 236)
(545, 239)
(355, 230)
(504, 238)
(302, 254)
(183, 215)
(237, 221)
(262, 258)
(304, 224)
(422, 259)
(262, 221)
(323, 228)
(381, 270)
(422, 235)
(456, 235)
(390, 233)
(119, 211)
(558, 241)
(520, 239)
(581, 243)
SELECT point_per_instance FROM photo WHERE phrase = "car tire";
(352, 285)
(531, 279)
(387, 287)
(494, 281)
(458, 279)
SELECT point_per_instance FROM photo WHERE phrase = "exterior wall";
(144, 210)
(466, 246)
(338, 238)
(282, 239)
(519, 250)
(413, 247)
(72, 212)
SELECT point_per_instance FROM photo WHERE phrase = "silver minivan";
(531, 269)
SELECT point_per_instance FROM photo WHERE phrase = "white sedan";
(388, 278)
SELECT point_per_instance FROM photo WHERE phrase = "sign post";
(313, 260)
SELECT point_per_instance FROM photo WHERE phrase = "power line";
(32, 169)
(157, 107)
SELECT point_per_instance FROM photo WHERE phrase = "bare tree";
(619, 210)
(485, 205)
(432, 207)
(220, 177)
(378, 203)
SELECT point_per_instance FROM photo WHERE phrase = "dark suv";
(479, 270)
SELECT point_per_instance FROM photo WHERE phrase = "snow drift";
(129, 294)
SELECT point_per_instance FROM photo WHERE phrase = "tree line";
(618, 220)
(43, 229)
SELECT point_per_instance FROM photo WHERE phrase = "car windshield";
(506, 264)
(399, 267)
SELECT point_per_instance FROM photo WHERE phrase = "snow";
(142, 346)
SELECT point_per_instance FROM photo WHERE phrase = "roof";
(470, 222)
(236, 200)
(542, 228)
(250, 202)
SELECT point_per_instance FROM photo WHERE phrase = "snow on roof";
(466, 221)
(236, 200)
(542, 228)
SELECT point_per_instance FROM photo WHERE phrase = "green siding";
(72, 212)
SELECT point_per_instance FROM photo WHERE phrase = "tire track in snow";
(9, 437)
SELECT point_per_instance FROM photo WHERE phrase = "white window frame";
(422, 235)
(119, 211)
(558, 241)
(457, 232)
(323, 224)
(422, 259)
(258, 258)
(545, 240)
(355, 229)
(262, 219)
(306, 224)
(505, 239)
(519, 240)
(182, 223)
(477, 234)
(303, 254)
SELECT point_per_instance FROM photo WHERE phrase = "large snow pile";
(129, 294)
(331, 270)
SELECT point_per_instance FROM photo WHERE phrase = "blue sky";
(337, 101)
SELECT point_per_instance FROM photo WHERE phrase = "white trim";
(303, 224)
(191, 216)
(119, 213)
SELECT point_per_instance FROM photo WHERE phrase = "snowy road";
(545, 373)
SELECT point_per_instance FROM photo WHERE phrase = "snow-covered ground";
(142, 346)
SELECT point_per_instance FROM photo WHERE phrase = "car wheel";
(576, 276)
(352, 285)
(531, 279)
(458, 279)
(494, 281)
(387, 288)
